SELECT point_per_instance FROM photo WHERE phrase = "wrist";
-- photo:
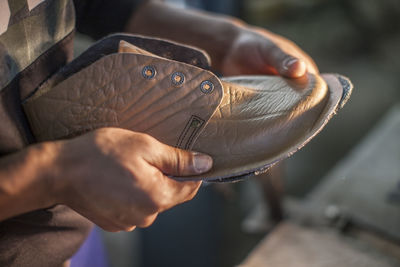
(47, 172)
(27, 181)
(62, 167)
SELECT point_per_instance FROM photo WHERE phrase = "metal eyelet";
(177, 78)
(149, 72)
(206, 87)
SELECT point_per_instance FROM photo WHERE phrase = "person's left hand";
(235, 48)
(258, 51)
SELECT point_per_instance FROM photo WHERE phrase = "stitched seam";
(184, 132)
(195, 131)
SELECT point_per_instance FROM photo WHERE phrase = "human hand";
(117, 178)
(235, 47)
(258, 51)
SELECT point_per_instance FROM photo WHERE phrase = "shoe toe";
(264, 119)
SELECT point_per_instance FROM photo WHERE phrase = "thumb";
(284, 64)
(178, 162)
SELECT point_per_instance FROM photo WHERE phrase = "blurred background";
(357, 38)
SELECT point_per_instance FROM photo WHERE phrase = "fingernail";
(289, 62)
(294, 67)
(201, 162)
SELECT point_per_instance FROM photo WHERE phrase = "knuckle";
(146, 144)
(182, 160)
(154, 204)
(102, 137)
(162, 204)
(191, 195)
(178, 163)
(150, 202)
(145, 139)
(130, 228)
(194, 188)
(99, 133)
(148, 220)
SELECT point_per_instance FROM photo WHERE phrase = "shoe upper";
(245, 123)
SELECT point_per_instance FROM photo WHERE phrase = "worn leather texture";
(113, 92)
(264, 119)
(245, 123)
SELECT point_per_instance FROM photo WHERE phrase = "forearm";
(25, 180)
(210, 32)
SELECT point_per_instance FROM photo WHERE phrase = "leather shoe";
(246, 123)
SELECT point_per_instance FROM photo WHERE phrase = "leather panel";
(113, 92)
(146, 45)
(264, 119)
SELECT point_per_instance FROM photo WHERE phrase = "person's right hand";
(118, 178)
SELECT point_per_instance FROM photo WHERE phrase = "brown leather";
(113, 92)
(245, 123)
(264, 119)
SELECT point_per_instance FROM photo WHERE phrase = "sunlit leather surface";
(245, 123)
